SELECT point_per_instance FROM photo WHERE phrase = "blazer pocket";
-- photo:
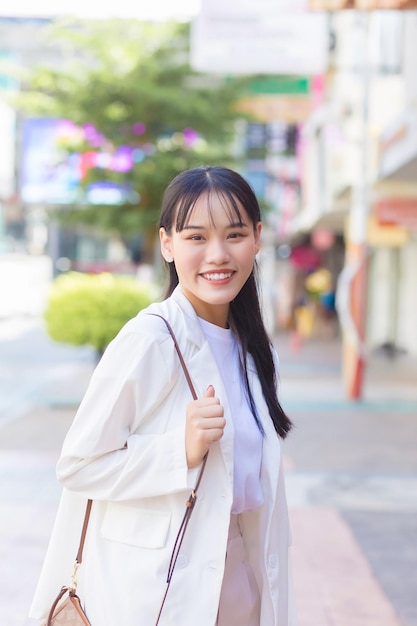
(135, 526)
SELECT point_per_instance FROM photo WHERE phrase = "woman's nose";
(217, 252)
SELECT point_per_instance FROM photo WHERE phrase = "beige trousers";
(239, 598)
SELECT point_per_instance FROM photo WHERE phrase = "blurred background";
(315, 103)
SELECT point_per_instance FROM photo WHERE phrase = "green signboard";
(276, 85)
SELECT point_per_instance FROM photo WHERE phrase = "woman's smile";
(219, 277)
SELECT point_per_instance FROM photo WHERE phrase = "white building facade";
(362, 143)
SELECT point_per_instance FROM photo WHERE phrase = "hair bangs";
(227, 200)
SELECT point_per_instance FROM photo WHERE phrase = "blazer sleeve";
(106, 454)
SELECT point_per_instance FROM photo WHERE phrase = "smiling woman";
(138, 443)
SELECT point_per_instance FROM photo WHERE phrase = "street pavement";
(352, 487)
(351, 474)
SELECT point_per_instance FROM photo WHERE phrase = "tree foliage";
(129, 87)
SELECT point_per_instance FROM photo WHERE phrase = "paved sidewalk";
(352, 488)
(351, 483)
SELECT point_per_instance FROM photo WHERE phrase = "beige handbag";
(67, 608)
(69, 612)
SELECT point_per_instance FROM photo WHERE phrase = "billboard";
(50, 174)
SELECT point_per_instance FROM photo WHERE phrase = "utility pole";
(351, 297)
(356, 259)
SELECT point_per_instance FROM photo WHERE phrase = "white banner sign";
(242, 38)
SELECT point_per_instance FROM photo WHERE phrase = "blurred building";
(365, 133)
(394, 205)
(337, 162)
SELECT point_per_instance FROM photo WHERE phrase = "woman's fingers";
(205, 425)
(210, 392)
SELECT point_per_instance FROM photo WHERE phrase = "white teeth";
(219, 276)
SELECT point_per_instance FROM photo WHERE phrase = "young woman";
(138, 440)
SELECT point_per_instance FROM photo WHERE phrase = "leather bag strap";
(189, 505)
(79, 556)
(181, 358)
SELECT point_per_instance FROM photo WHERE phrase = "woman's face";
(213, 256)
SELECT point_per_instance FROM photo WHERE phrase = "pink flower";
(190, 136)
(139, 128)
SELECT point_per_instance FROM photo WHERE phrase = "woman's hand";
(205, 424)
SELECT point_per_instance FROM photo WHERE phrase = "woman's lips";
(217, 276)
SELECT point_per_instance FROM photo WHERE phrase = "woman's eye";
(195, 237)
(235, 235)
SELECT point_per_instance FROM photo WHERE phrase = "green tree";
(129, 87)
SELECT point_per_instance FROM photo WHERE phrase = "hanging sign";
(397, 211)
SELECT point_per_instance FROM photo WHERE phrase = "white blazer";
(126, 451)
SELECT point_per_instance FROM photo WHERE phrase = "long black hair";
(245, 318)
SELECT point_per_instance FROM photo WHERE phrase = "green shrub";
(85, 309)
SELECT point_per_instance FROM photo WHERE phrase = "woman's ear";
(165, 240)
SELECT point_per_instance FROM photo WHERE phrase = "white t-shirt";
(247, 488)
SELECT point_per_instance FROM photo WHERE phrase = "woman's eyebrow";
(231, 225)
(239, 224)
